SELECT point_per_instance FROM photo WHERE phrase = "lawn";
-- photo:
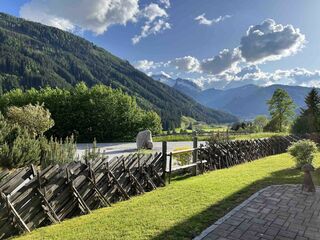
(181, 210)
(178, 137)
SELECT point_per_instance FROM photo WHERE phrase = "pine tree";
(309, 120)
(313, 110)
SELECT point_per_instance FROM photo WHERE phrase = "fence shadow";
(193, 226)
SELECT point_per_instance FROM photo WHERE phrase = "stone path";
(280, 212)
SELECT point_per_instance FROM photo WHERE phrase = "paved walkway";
(279, 212)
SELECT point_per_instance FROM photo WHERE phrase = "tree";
(309, 119)
(35, 118)
(99, 112)
(281, 109)
(260, 122)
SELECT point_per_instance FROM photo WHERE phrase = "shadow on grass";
(193, 226)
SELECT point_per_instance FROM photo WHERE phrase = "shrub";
(54, 151)
(19, 148)
(303, 152)
(92, 154)
(35, 118)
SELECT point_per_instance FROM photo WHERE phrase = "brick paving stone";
(280, 212)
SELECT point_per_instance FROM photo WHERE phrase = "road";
(118, 149)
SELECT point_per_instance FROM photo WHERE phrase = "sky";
(215, 43)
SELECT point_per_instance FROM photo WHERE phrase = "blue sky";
(189, 44)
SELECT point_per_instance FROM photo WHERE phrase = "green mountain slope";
(248, 101)
(34, 55)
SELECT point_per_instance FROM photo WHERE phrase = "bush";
(35, 118)
(303, 152)
(56, 151)
(19, 148)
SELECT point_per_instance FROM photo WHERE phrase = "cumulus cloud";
(239, 66)
(156, 22)
(270, 41)
(98, 15)
(187, 63)
(201, 19)
(263, 42)
(144, 65)
(165, 3)
(153, 11)
(92, 15)
(226, 60)
(296, 76)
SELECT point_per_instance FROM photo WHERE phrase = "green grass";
(257, 135)
(181, 210)
(180, 138)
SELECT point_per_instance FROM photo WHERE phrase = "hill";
(245, 101)
(248, 101)
(35, 55)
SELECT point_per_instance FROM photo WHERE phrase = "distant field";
(181, 210)
(178, 138)
(189, 124)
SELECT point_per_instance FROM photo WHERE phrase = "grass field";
(181, 210)
(178, 138)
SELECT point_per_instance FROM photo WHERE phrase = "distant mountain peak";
(164, 78)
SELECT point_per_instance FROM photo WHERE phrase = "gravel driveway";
(118, 149)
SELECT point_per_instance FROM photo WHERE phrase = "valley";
(245, 102)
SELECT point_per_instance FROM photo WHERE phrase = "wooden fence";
(218, 155)
(31, 198)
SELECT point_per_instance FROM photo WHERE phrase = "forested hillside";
(34, 55)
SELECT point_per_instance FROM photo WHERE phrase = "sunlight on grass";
(176, 138)
(181, 210)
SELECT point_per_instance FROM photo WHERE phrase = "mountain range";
(245, 102)
(35, 55)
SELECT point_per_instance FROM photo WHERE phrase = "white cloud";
(226, 60)
(98, 15)
(238, 66)
(263, 42)
(165, 3)
(144, 65)
(151, 28)
(201, 19)
(153, 11)
(187, 63)
(156, 22)
(269, 41)
(92, 15)
(296, 76)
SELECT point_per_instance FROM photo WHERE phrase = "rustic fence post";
(164, 162)
(195, 153)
